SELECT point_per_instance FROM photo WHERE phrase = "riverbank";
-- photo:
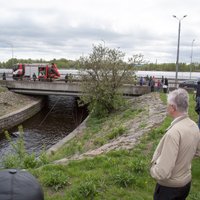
(16, 108)
(143, 114)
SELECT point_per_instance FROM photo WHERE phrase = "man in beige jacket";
(171, 162)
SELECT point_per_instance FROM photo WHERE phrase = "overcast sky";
(50, 29)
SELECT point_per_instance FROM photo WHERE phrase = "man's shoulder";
(185, 125)
(184, 122)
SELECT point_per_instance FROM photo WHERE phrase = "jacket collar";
(176, 120)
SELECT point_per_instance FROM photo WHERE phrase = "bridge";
(62, 88)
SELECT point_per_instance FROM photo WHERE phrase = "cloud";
(56, 29)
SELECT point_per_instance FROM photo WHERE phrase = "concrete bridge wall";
(62, 88)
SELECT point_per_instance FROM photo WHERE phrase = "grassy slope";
(116, 175)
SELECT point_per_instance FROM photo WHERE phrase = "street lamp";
(191, 57)
(177, 57)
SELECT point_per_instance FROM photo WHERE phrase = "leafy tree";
(137, 60)
(61, 63)
(103, 73)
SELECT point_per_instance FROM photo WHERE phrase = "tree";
(103, 73)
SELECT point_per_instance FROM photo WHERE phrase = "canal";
(60, 116)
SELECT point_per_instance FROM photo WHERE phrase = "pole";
(191, 57)
(177, 55)
(178, 45)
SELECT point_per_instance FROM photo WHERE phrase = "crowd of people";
(155, 84)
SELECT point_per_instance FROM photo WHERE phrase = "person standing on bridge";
(171, 162)
(165, 86)
(4, 76)
(34, 77)
(66, 78)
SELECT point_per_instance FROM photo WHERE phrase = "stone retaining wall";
(12, 119)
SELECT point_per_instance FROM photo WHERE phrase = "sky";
(48, 29)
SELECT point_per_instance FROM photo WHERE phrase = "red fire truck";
(40, 71)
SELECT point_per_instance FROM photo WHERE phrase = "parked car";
(188, 84)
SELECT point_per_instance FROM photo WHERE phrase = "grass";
(122, 174)
(98, 133)
(3, 89)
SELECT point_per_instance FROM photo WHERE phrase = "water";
(58, 118)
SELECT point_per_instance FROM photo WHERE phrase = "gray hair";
(180, 99)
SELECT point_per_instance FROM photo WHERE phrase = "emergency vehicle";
(42, 71)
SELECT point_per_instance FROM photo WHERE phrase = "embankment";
(16, 108)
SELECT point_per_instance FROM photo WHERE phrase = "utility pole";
(178, 45)
(191, 57)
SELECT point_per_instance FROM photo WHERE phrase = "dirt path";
(154, 112)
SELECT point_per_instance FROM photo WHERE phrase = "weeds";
(195, 196)
(19, 158)
(55, 179)
(139, 166)
(131, 113)
(85, 190)
(123, 178)
(116, 132)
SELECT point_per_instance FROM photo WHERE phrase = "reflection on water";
(58, 118)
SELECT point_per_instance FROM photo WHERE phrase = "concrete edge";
(70, 136)
(14, 118)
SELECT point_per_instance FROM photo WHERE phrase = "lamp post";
(191, 57)
(178, 45)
